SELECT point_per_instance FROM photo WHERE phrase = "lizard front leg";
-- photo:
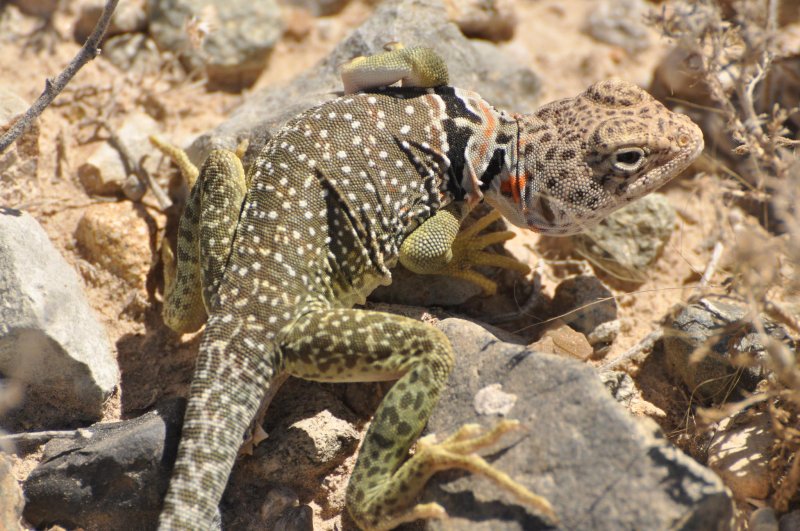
(438, 247)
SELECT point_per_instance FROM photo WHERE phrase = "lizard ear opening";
(628, 160)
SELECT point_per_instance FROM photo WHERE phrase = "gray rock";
(38, 8)
(604, 334)
(621, 23)
(763, 519)
(50, 341)
(311, 432)
(128, 17)
(313, 436)
(318, 8)
(105, 172)
(476, 66)
(600, 468)
(18, 163)
(585, 303)
(494, 20)
(300, 518)
(716, 324)
(135, 53)
(628, 241)
(239, 36)
(790, 521)
(11, 500)
(281, 511)
(109, 476)
(620, 385)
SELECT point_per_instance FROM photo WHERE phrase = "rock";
(20, 161)
(626, 393)
(109, 476)
(604, 334)
(318, 8)
(37, 8)
(50, 341)
(424, 290)
(734, 360)
(584, 303)
(620, 385)
(472, 65)
(117, 236)
(492, 400)
(739, 452)
(134, 53)
(311, 438)
(628, 241)
(599, 468)
(790, 521)
(128, 17)
(11, 500)
(763, 519)
(299, 518)
(281, 510)
(562, 340)
(229, 39)
(311, 433)
(622, 24)
(493, 20)
(104, 172)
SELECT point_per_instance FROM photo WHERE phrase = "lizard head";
(581, 158)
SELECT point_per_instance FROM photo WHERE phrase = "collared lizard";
(336, 198)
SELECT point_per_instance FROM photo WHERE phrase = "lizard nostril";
(683, 140)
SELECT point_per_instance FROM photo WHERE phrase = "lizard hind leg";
(359, 345)
(205, 234)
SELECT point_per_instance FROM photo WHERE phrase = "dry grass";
(736, 63)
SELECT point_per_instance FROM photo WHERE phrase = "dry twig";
(88, 51)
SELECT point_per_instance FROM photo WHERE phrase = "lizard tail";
(231, 378)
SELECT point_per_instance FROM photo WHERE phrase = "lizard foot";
(458, 451)
(468, 251)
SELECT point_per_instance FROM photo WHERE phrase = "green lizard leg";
(415, 67)
(437, 247)
(205, 234)
(358, 345)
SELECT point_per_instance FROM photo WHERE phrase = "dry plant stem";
(646, 344)
(136, 168)
(38, 437)
(781, 314)
(88, 51)
(711, 267)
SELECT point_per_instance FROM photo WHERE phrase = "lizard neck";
(519, 182)
(482, 144)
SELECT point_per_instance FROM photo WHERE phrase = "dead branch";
(88, 51)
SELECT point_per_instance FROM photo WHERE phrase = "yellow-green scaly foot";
(414, 67)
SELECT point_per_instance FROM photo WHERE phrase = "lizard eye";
(628, 160)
